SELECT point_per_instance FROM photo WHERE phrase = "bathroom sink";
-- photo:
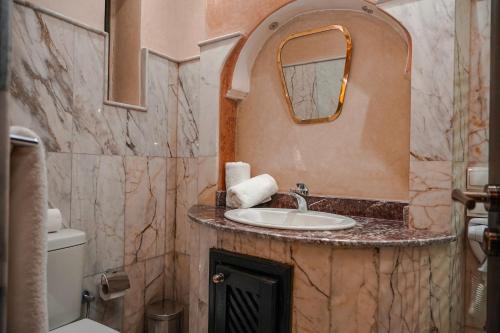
(291, 219)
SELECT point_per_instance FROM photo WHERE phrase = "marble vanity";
(379, 276)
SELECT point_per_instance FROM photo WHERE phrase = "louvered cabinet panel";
(248, 294)
(245, 302)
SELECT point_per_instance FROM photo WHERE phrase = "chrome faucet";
(299, 193)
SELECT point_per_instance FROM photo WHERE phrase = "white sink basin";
(291, 219)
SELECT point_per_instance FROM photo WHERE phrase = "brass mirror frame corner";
(343, 86)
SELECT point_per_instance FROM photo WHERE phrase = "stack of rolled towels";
(54, 220)
(244, 191)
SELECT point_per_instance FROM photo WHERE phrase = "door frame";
(493, 290)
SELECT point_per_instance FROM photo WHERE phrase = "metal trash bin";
(164, 317)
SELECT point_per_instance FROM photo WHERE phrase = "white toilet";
(64, 284)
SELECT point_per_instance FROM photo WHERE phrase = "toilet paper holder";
(113, 285)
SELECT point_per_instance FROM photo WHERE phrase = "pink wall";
(363, 154)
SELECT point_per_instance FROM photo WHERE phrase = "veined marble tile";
(403, 299)
(109, 313)
(42, 76)
(188, 109)
(207, 179)
(172, 106)
(187, 196)
(145, 191)
(462, 79)
(455, 255)
(133, 302)
(169, 276)
(97, 129)
(354, 296)
(194, 276)
(170, 205)
(312, 287)
(154, 280)
(181, 285)
(59, 184)
(432, 27)
(479, 81)
(97, 202)
(162, 103)
(101, 131)
(442, 297)
(430, 195)
(137, 135)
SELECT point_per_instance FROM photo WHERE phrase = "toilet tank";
(65, 276)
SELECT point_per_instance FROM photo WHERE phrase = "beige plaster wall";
(224, 16)
(173, 27)
(89, 12)
(365, 153)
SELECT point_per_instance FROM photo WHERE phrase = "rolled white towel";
(252, 191)
(236, 172)
(54, 220)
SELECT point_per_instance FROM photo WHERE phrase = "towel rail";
(22, 140)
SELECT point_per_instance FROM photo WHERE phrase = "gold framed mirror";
(314, 68)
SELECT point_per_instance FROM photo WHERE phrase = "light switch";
(477, 177)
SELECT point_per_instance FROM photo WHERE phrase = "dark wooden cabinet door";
(245, 302)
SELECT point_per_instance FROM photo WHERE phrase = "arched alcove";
(240, 82)
(365, 153)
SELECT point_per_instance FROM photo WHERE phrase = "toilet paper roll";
(114, 285)
(54, 220)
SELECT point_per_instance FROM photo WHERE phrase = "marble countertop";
(369, 231)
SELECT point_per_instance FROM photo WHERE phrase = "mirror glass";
(314, 67)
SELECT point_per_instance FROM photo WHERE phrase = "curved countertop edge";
(369, 233)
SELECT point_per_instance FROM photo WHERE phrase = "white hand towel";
(27, 258)
(236, 172)
(252, 192)
(54, 220)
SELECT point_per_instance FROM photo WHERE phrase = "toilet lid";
(84, 326)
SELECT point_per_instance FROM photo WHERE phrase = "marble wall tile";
(96, 130)
(181, 285)
(145, 191)
(108, 313)
(137, 134)
(42, 76)
(169, 276)
(187, 196)
(170, 205)
(154, 280)
(159, 105)
(188, 109)
(208, 168)
(431, 25)
(312, 287)
(59, 183)
(479, 81)
(430, 195)
(194, 276)
(153, 133)
(461, 80)
(100, 131)
(441, 303)
(354, 292)
(173, 108)
(97, 207)
(133, 314)
(403, 307)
